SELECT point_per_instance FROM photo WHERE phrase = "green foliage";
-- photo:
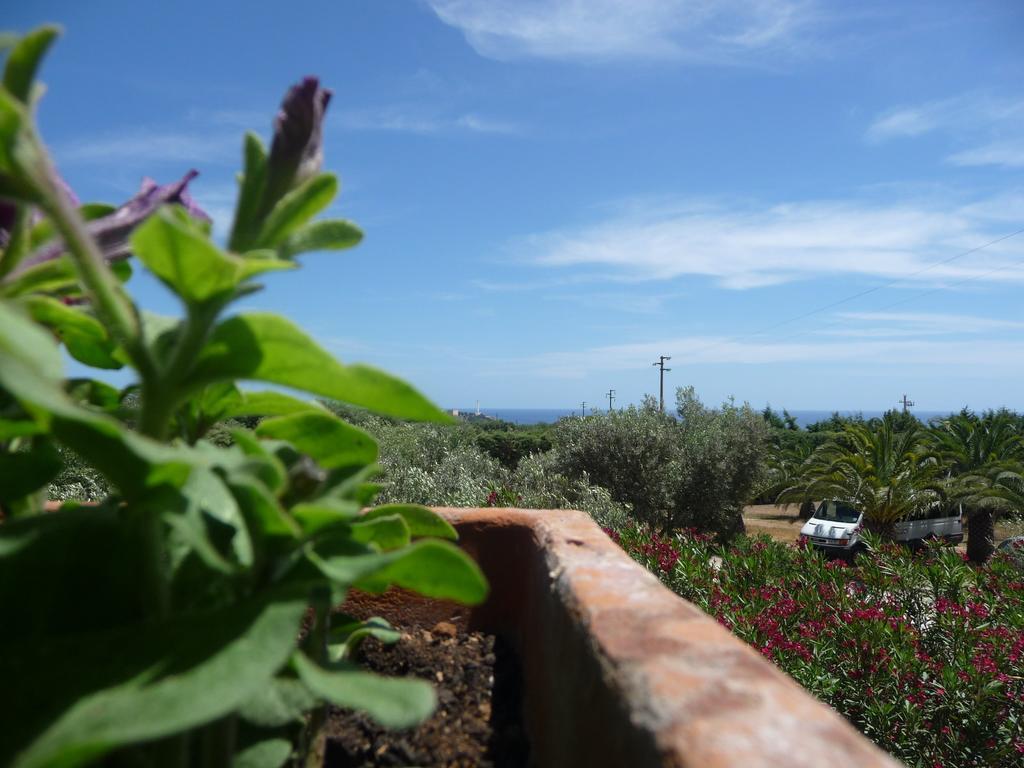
(159, 625)
(510, 443)
(695, 471)
(435, 465)
(538, 484)
(874, 467)
(894, 468)
(923, 653)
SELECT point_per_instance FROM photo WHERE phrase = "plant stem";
(160, 397)
(103, 288)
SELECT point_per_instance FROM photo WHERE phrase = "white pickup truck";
(836, 528)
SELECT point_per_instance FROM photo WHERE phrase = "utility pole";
(661, 388)
(907, 403)
(583, 406)
(611, 397)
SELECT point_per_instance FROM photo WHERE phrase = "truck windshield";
(834, 512)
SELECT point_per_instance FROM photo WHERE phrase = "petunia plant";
(190, 617)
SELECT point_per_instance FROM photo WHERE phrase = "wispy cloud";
(689, 30)
(990, 127)
(1005, 153)
(749, 246)
(151, 146)
(915, 324)
(413, 120)
(990, 355)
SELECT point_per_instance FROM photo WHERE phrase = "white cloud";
(913, 324)
(993, 125)
(152, 147)
(412, 120)
(1006, 153)
(694, 30)
(748, 247)
(992, 356)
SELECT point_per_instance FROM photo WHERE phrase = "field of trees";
(720, 470)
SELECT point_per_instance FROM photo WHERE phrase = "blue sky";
(555, 192)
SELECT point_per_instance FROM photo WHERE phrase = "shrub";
(539, 485)
(923, 653)
(722, 459)
(435, 465)
(695, 471)
(511, 444)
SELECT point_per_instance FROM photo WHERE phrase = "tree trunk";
(981, 536)
(806, 510)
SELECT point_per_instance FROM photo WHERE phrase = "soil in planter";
(478, 718)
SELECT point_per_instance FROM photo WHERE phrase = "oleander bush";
(923, 653)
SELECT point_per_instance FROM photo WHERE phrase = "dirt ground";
(782, 523)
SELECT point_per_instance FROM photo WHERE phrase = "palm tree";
(784, 478)
(875, 468)
(982, 456)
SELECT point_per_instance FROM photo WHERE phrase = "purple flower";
(111, 232)
(296, 152)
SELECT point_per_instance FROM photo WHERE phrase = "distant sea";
(551, 415)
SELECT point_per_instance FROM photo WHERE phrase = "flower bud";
(296, 152)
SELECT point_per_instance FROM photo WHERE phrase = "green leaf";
(185, 259)
(392, 702)
(26, 349)
(421, 520)
(23, 61)
(317, 516)
(269, 753)
(250, 192)
(262, 511)
(52, 276)
(11, 428)
(284, 700)
(296, 208)
(433, 569)
(328, 235)
(269, 348)
(388, 533)
(345, 638)
(84, 336)
(24, 472)
(331, 442)
(270, 404)
(263, 260)
(204, 496)
(97, 394)
(264, 465)
(70, 700)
